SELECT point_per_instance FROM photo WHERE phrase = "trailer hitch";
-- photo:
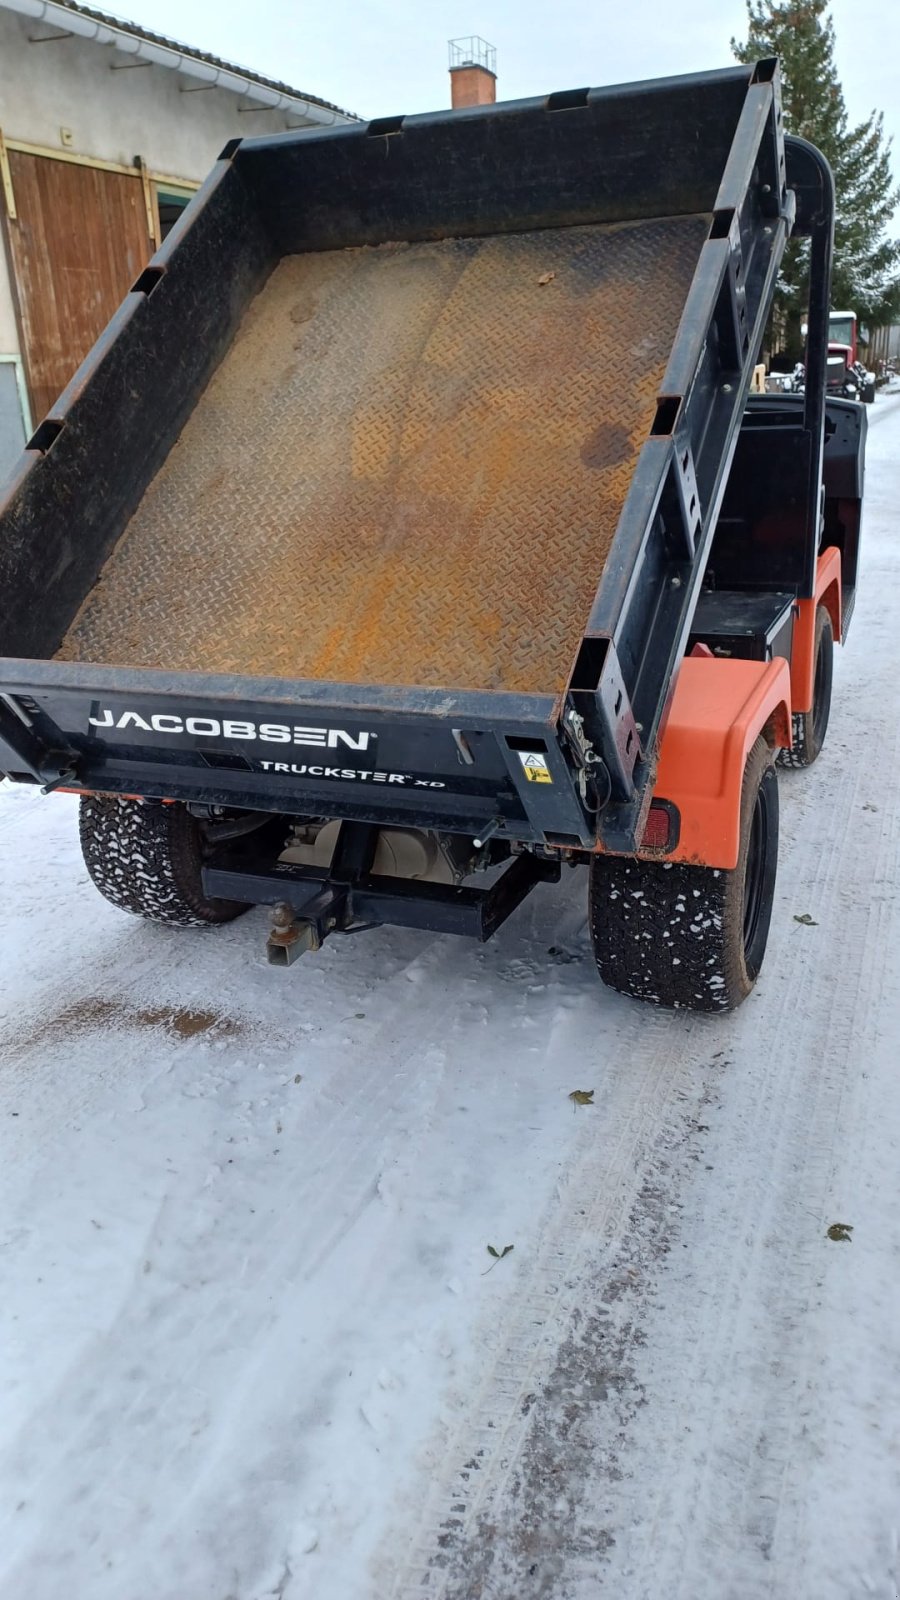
(293, 933)
(310, 903)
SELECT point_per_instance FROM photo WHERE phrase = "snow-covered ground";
(250, 1346)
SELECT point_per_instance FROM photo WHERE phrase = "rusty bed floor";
(409, 467)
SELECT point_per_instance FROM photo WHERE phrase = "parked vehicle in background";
(843, 333)
(851, 381)
(847, 375)
(860, 383)
(794, 382)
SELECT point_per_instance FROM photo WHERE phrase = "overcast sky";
(380, 57)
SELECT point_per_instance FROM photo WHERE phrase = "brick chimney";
(473, 72)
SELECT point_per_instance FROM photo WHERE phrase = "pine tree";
(866, 272)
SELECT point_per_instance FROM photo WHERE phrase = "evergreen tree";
(866, 272)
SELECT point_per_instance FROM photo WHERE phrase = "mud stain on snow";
(95, 1013)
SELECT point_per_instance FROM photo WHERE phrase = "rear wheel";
(810, 727)
(146, 857)
(691, 937)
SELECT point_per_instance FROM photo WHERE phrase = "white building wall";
(114, 112)
(9, 333)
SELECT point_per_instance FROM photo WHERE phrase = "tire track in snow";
(797, 1106)
(485, 1530)
(483, 1453)
(702, 1522)
(723, 1515)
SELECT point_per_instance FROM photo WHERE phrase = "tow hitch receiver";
(293, 935)
(309, 903)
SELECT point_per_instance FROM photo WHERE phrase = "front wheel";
(146, 856)
(691, 937)
(809, 727)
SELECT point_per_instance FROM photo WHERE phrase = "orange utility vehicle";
(346, 578)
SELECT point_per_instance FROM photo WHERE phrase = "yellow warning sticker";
(536, 768)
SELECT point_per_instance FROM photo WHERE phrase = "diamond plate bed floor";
(409, 467)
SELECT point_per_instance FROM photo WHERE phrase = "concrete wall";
(114, 112)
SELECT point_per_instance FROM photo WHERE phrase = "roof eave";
(167, 53)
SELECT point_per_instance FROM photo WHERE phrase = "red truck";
(845, 370)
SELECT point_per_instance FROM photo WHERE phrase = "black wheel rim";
(820, 693)
(755, 877)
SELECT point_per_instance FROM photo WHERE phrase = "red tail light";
(662, 827)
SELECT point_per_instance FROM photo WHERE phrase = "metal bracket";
(689, 493)
(609, 706)
(46, 766)
(149, 206)
(6, 180)
(591, 770)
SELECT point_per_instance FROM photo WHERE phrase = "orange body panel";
(828, 593)
(719, 708)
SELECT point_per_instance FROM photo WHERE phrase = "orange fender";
(828, 593)
(719, 709)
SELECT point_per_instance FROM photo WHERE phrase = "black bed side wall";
(760, 540)
(91, 459)
(589, 155)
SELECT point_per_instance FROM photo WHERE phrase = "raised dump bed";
(420, 424)
(408, 468)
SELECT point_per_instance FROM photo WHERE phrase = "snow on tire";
(691, 937)
(146, 857)
(809, 727)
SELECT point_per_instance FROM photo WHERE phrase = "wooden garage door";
(77, 245)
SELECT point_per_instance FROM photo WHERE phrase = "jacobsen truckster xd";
(348, 567)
